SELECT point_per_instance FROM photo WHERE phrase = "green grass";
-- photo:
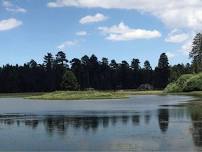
(87, 95)
(193, 93)
(84, 95)
(20, 95)
(136, 92)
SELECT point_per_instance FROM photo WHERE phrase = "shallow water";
(141, 123)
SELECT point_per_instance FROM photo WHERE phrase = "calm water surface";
(141, 123)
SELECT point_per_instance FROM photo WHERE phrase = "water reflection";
(150, 129)
(62, 122)
(135, 120)
(163, 117)
(30, 123)
(196, 117)
(147, 117)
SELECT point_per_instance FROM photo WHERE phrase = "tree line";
(57, 73)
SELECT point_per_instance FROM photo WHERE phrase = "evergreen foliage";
(69, 81)
(196, 53)
(56, 73)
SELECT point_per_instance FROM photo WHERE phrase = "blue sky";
(115, 29)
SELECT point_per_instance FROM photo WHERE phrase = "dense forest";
(89, 73)
(57, 73)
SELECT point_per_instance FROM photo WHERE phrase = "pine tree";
(69, 81)
(147, 73)
(48, 61)
(61, 58)
(162, 72)
(196, 53)
(147, 65)
(135, 64)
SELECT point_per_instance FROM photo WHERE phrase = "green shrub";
(172, 87)
(183, 79)
(179, 84)
(194, 83)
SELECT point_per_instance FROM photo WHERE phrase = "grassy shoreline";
(20, 95)
(90, 95)
(193, 93)
(80, 95)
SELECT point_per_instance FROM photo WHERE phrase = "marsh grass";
(88, 95)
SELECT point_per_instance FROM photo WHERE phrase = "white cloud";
(186, 47)
(92, 19)
(185, 15)
(7, 3)
(17, 10)
(170, 55)
(9, 24)
(66, 44)
(81, 33)
(13, 8)
(173, 13)
(122, 32)
(176, 36)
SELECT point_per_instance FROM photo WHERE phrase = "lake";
(140, 123)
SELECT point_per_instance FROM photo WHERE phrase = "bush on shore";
(172, 87)
(194, 83)
(186, 83)
(178, 85)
